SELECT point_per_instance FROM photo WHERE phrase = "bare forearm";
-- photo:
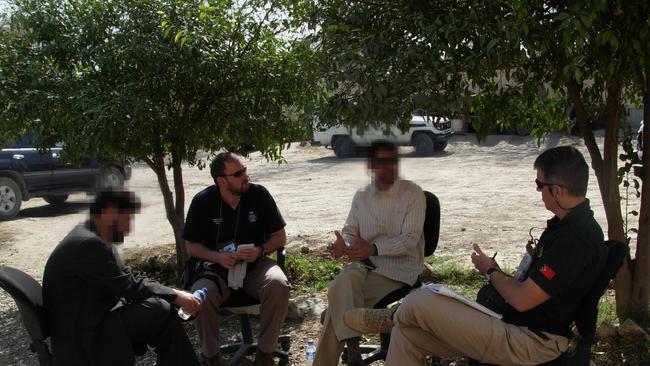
(200, 251)
(505, 285)
(276, 241)
(522, 296)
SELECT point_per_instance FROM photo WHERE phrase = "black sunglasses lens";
(239, 173)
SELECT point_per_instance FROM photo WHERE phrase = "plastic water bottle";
(199, 294)
(311, 352)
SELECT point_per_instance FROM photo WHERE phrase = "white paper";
(439, 289)
(237, 274)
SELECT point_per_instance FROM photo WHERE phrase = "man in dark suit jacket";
(97, 309)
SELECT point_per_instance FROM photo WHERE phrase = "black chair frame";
(247, 346)
(28, 295)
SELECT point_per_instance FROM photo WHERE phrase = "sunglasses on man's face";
(236, 174)
(541, 184)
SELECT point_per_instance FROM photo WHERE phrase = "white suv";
(426, 134)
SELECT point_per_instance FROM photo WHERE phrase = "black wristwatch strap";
(491, 270)
(264, 252)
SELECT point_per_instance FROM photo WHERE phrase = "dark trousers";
(151, 322)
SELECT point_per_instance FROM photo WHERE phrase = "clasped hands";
(361, 250)
(229, 260)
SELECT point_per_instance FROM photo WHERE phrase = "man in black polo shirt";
(539, 307)
(221, 217)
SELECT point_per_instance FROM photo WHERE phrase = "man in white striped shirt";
(382, 240)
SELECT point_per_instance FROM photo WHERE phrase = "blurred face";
(235, 177)
(384, 168)
(118, 223)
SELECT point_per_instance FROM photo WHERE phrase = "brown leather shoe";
(215, 360)
(263, 359)
(370, 320)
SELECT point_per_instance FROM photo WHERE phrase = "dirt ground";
(486, 190)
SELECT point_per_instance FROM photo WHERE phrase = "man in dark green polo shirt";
(540, 305)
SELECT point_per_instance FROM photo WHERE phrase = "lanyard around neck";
(221, 219)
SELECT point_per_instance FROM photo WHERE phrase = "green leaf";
(103, 76)
(179, 34)
(167, 31)
(562, 16)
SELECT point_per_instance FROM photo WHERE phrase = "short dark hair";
(565, 166)
(381, 145)
(218, 164)
(124, 201)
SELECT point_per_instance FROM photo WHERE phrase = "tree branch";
(588, 135)
(256, 33)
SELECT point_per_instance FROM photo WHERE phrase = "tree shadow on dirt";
(63, 209)
(435, 154)
(363, 157)
(334, 160)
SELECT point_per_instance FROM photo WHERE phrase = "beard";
(238, 189)
(117, 235)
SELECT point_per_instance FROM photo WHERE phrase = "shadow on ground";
(66, 208)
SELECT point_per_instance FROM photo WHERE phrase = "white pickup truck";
(426, 134)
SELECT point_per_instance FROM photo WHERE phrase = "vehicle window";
(27, 140)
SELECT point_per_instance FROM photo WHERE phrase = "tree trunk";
(179, 209)
(157, 164)
(640, 294)
(609, 191)
(606, 174)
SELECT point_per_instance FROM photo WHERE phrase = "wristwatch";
(490, 271)
(264, 252)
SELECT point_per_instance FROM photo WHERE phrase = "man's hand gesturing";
(361, 250)
(481, 261)
(338, 246)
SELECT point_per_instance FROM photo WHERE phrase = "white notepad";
(439, 289)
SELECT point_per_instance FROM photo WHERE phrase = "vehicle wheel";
(575, 129)
(521, 130)
(11, 198)
(111, 178)
(423, 145)
(56, 199)
(344, 147)
(440, 145)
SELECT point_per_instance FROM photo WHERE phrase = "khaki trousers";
(265, 282)
(430, 324)
(354, 287)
